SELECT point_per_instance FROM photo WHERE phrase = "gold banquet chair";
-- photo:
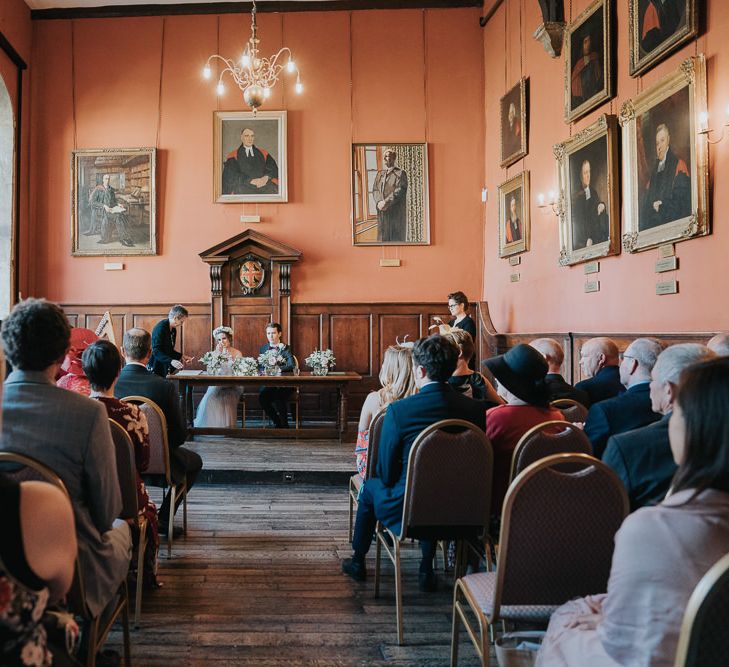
(447, 495)
(559, 520)
(356, 481)
(704, 641)
(127, 471)
(24, 468)
(572, 410)
(159, 461)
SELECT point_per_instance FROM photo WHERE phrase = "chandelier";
(253, 74)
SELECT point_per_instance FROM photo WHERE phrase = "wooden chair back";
(126, 470)
(159, 454)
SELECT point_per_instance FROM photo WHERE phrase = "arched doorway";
(7, 169)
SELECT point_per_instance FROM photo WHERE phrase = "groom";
(273, 399)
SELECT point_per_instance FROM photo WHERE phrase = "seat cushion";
(481, 587)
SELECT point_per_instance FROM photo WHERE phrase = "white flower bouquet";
(272, 360)
(245, 366)
(217, 363)
(320, 361)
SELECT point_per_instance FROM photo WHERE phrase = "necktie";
(249, 152)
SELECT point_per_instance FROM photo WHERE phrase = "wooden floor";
(257, 581)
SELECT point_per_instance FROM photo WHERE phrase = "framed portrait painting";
(113, 201)
(658, 27)
(665, 166)
(587, 165)
(514, 124)
(390, 194)
(588, 76)
(249, 157)
(514, 221)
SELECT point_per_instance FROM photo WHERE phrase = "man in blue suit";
(642, 458)
(631, 409)
(434, 360)
(599, 362)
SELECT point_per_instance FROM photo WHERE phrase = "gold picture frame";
(668, 201)
(265, 179)
(656, 29)
(113, 202)
(514, 220)
(588, 74)
(589, 214)
(514, 127)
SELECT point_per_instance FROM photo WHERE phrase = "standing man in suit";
(599, 361)
(557, 386)
(136, 380)
(388, 191)
(642, 457)
(632, 408)
(434, 360)
(164, 336)
(273, 399)
(70, 434)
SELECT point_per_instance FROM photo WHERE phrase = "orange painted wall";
(369, 76)
(551, 298)
(16, 26)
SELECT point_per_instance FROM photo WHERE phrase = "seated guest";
(642, 458)
(102, 363)
(136, 380)
(70, 434)
(434, 360)
(37, 557)
(73, 377)
(557, 386)
(273, 399)
(165, 359)
(661, 552)
(719, 344)
(396, 378)
(467, 381)
(631, 409)
(520, 373)
(599, 361)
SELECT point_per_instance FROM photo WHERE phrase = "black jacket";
(163, 348)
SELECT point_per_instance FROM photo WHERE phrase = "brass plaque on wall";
(515, 278)
(515, 261)
(667, 287)
(592, 267)
(592, 286)
(666, 264)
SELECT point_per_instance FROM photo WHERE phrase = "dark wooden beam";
(243, 8)
(490, 12)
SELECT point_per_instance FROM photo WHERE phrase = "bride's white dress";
(219, 406)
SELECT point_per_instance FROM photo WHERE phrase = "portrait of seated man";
(250, 169)
(667, 196)
(590, 224)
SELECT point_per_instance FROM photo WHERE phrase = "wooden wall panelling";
(195, 337)
(306, 336)
(249, 331)
(351, 342)
(394, 327)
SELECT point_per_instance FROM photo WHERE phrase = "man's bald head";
(597, 353)
(552, 351)
(719, 344)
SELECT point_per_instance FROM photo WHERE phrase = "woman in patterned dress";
(102, 363)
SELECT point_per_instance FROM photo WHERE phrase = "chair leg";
(351, 515)
(455, 629)
(184, 509)
(398, 594)
(141, 548)
(171, 519)
(92, 628)
(378, 552)
(125, 627)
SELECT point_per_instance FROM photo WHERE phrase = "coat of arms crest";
(251, 274)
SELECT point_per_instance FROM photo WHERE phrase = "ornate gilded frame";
(605, 8)
(517, 183)
(640, 63)
(133, 178)
(518, 93)
(690, 74)
(605, 127)
(270, 132)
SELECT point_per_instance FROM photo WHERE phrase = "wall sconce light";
(705, 130)
(550, 202)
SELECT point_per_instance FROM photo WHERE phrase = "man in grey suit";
(70, 434)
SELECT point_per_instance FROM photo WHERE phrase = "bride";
(219, 406)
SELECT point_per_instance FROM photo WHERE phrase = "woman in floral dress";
(102, 363)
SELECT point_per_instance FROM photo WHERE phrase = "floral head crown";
(225, 330)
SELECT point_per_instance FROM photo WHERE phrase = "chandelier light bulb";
(299, 88)
(703, 121)
(290, 66)
(207, 73)
(266, 93)
(220, 89)
(245, 60)
(551, 196)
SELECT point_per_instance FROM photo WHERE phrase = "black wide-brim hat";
(522, 371)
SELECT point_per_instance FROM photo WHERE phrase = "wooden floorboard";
(257, 581)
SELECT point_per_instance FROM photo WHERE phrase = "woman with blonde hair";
(396, 378)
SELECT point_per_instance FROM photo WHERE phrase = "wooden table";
(338, 381)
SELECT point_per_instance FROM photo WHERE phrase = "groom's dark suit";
(163, 348)
(382, 496)
(136, 380)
